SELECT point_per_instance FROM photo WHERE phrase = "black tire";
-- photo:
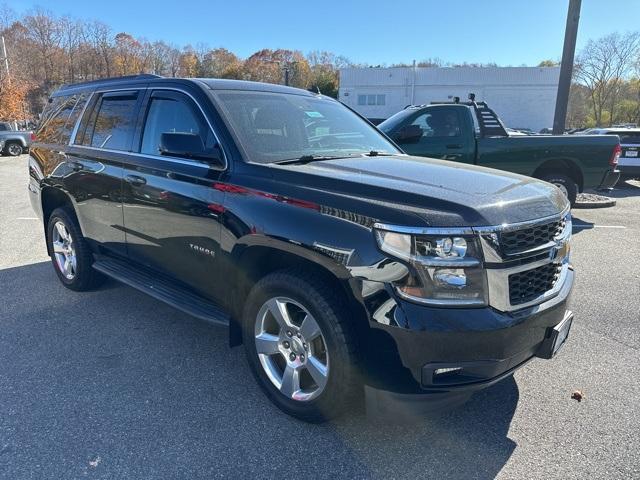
(563, 182)
(13, 149)
(85, 277)
(343, 386)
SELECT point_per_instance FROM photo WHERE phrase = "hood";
(438, 192)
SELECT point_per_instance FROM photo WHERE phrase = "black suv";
(343, 265)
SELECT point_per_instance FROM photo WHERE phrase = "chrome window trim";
(145, 155)
(74, 132)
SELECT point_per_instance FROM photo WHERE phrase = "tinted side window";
(54, 119)
(72, 118)
(438, 124)
(172, 114)
(112, 122)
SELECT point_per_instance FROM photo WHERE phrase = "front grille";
(521, 240)
(530, 284)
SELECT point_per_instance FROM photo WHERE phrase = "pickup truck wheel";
(70, 253)
(566, 185)
(13, 149)
(299, 346)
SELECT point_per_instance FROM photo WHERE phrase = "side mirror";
(188, 145)
(408, 134)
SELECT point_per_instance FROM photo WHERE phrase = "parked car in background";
(629, 162)
(472, 133)
(16, 142)
(342, 264)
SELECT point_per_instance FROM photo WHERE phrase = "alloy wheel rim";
(14, 149)
(292, 349)
(64, 250)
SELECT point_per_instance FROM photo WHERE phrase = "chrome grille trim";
(498, 267)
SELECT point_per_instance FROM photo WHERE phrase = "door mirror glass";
(408, 134)
(188, 145)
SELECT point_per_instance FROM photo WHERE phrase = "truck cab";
(472, 133)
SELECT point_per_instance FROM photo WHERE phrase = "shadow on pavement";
(625, 189)
(114, 384)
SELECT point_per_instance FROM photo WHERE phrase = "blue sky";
(502, 31)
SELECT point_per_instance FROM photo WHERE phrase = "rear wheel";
(299, 346)
(13, 149)
(566, 185)
(70, 253)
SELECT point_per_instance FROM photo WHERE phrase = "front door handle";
(453, 146)
(135, 180)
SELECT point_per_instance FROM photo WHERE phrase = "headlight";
(447, 267)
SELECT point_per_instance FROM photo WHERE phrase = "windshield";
(393, 121)
(274, 127)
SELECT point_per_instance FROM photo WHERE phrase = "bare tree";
(7, 16)
(602, 67)
(46, 34)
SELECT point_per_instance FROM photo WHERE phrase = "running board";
(177, 296)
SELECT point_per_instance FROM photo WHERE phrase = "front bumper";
(609, 179)
(483, 345)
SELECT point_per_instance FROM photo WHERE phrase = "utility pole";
(6, 67)
(4, 56)
(413, 84)
(566, 68)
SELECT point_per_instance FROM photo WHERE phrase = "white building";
(523, 97)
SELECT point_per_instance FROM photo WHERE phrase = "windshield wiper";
(317, 158)
(310, 158)
(376, 153)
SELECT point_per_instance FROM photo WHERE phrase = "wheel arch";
(564, 166)
(50, 199)
(255, 261)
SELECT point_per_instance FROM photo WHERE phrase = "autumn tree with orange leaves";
(46, 51)
(12, 100)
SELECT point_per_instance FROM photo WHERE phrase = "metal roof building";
(523, 97)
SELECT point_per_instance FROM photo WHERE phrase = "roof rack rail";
(141, 76)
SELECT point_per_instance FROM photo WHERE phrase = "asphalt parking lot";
(113, 384)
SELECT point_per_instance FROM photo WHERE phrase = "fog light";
(442, 371)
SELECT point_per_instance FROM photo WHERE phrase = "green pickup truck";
(471, 132)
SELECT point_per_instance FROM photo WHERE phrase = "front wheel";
(566, 185)
(300, 347)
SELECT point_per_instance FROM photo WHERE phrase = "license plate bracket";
(556, 337)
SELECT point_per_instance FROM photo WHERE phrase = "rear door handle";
(135, 180)
(454, 146)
